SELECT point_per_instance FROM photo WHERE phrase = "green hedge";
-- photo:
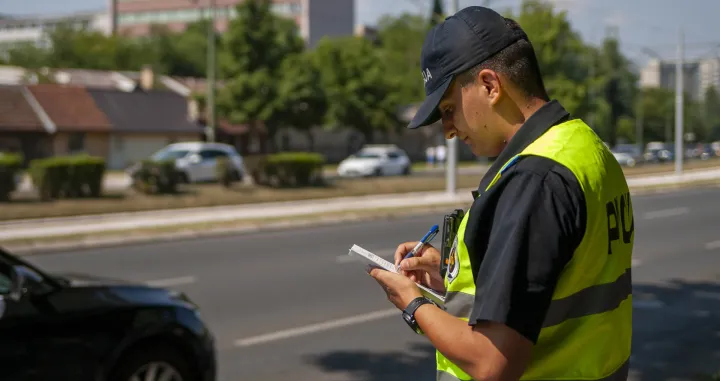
(156, 177)
(226, 172)
(10, 165)
(68, 176)
(293, 168)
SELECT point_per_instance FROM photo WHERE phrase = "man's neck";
(527, 110)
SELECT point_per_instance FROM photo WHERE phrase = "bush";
(294, 168)
(156, 177)
(68, 176)
(10, 165)
(225, 172)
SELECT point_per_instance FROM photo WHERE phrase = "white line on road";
(170, 282)
(647, 304)
(313, 328)
(712, 245)
(666, 213)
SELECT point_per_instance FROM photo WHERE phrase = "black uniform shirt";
(523, 231)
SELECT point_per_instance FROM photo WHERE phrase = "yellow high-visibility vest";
(587, 331)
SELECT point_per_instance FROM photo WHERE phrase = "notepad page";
(355, 249)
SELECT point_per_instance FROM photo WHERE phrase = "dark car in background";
(63, 327)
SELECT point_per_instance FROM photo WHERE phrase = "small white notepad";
(372, 258)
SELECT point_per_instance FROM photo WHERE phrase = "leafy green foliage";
(271, 79)
(356, 83)
(68, 176)
(255, 45)
(10, 165)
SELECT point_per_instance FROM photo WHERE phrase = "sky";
(645, 27)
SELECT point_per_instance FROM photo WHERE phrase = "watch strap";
(409, 313)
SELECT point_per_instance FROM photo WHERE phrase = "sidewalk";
(25, 229)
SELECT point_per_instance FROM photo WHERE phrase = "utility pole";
(679, 146)
(452, 154)
(210, 125)
(639, 122)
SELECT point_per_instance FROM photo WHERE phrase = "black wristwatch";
(409, 313)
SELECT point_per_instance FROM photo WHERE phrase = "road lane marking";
(171, 282)
(314, 328)
(385, 254)
(647, 304)
(712, 245)
(663, 213)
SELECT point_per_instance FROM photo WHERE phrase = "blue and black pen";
(424, 240)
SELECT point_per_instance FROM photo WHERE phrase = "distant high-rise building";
(33, 29)
(315, 18)
(698, 76)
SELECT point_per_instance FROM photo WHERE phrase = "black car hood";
(95, 291)
(82, 280)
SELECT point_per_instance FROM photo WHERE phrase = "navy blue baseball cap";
(459, 43)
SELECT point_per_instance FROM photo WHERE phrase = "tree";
(560, 51)
(437, 15)
(401, 40)
(618, 85)
(357, 86)
(255, 44)
(184, 53)
(28, 55)
(301, 101)
(711, 113)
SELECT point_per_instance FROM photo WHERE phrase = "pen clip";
(430, 234)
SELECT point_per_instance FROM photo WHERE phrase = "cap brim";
(428, 112)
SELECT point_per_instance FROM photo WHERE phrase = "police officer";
(538, 282)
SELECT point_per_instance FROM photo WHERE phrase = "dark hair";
(517, 62)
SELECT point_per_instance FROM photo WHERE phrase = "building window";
(76, 142)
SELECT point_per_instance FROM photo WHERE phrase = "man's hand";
(423, 268)
(399, 289)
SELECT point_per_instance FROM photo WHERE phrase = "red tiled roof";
(71, 108)
(15, 112)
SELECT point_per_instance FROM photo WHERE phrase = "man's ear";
(490, 82)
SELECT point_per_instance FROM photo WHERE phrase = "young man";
(538, 282)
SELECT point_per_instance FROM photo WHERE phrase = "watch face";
(407, 317)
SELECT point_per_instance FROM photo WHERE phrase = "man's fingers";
(415, 263)
(402, 250)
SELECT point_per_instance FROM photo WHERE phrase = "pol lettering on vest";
(620, 215)
(426, 76)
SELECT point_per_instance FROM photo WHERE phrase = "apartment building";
(315, 18)
(16, 30)
(698, 75)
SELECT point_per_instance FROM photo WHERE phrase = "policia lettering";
(618, 213)
(591, 308)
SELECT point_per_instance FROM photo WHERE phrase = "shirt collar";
(547, 116)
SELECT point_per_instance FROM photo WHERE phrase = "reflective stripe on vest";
(587, 330)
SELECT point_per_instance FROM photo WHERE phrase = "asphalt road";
(332, 322)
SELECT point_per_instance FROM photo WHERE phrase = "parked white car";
(376, 160)
(197, 161)
(625, 159)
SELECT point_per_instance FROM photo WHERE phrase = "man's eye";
(447, 112)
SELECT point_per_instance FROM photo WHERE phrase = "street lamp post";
(210, 127)
(452, 154)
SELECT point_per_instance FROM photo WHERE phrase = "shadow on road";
(417, 363)
(676, 331)
(676, 337)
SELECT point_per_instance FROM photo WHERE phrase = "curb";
(118, 239)
(187, 234)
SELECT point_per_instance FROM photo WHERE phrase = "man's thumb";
(414, 263)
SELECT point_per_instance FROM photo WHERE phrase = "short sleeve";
(537, 223)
